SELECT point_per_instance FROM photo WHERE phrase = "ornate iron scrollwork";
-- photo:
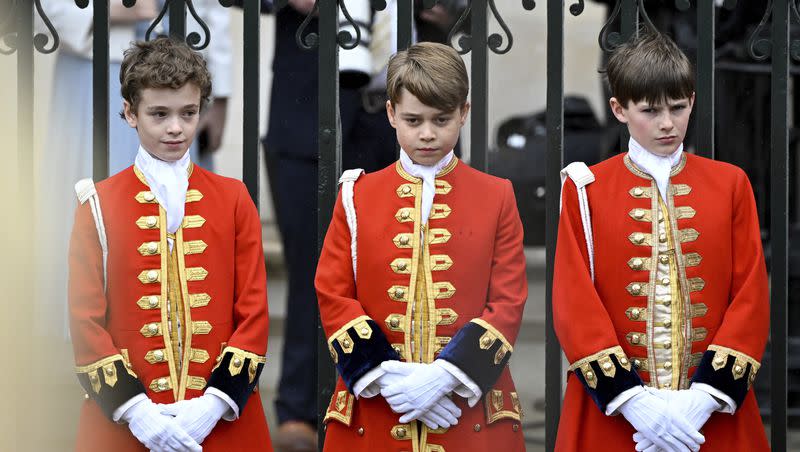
(610, 40)
(311, 40)
(40, 40)
(157, 20)
(193, 38)
(344, 38)
(576, 8)
(760, 48)
(495, 40)
(464, 42)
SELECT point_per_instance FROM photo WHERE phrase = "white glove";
(197, 416)
(421, 393)
(658, 422)
(156, 431)
(696, 405)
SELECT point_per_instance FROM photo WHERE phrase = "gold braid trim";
(109, 371)
(739, 368)
(603, 358)
(237, 362)
(343, 330)
(494, 331)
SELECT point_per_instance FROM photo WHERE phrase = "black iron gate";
(769, 43)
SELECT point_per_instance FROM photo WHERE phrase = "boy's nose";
(426, 133)
(174, 127)
(666, 123)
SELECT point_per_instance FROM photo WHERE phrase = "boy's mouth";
(427, 149)
(668, 139)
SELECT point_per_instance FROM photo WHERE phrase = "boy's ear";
(464, 112)
(130, 116)
(390, 113)
(618, 110)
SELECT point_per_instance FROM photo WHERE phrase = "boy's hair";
(434, 73)
(650, 67)
(161, 63)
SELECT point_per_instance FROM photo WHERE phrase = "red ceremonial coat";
(717, 308)
(121, 337)
(472, 267)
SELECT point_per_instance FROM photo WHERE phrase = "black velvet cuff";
(357, 350)
(726, 374)
(479, 353)
(236, 376)
(108, 393)
(604, 388)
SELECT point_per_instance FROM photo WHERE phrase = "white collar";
(657, 166)
(168, 181)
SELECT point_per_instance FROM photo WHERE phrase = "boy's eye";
(678, 107)
(411, 120)
(443, 120)
(159, 114)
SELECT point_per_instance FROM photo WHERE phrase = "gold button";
(394, 322)
(158, 355)
(405, 214)
(638, 237)
(152, 328)
(667, 365)
(152, 247)
(93, 378)
(152, 300)
(637, 364)
(398, 349)
(401, 432)
(404, 240)
(667, 301)
(662, 237)
(361, 431)
(636, 289)
(401, 266)
(152, 275)
(635, 339)
(719, 361)
(637, 264)
(237, 362)
(667, 323)
(668, 344)
(607, 366)
(589, 375)
(623, 361)
(664, 281)
(486, 341)
(638, 214)
(151, 222)
(638, 191)
(364, 331)
(406, 189)
(399, 293)
(635, 313)
(346, 343)
(162, 383)
(738, 369)
(664, 259)
(477, 427)
(109, 371)
(149, 196)
(515, 427)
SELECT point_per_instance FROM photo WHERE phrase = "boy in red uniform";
(167, 292)
(664, 315)
(421, 282)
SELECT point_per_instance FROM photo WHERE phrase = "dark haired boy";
(167, 292)
(660, 301)
(421, 282)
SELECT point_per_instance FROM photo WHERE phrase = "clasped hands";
(669, 420)
(177, 427)
(420, 391)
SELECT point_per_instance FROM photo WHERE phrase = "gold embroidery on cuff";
(346, 342)
(340, 408)
(490, 328)
(363, 330)
(741, 361)
(347, 326)
(616, 351)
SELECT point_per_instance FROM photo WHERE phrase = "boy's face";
(166, 120)
(659, 128)
(425, 133)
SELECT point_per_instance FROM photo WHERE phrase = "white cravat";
(168, 181)
(428, 176)
(659, 167)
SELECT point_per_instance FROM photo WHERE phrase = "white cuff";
(233, 413)
(468, 389)
(728, 405)
(624, 396)
(366, 386)
(120, 411)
